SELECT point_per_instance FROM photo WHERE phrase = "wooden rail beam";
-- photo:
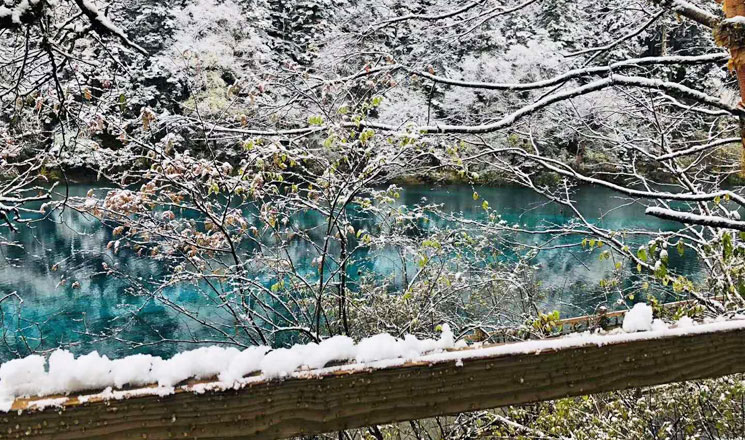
(343, 397)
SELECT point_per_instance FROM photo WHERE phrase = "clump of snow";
(133, 370)
(382, 346)
(41, 404)
(280, 363)
(66, 374)
(659, 325)
(385, 346)
(19, 377)
(244, 363)
(198, 364)
(338, 348)
(685, 322)
(738, 19)
(639, 318)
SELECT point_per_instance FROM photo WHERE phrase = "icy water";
(51, 314)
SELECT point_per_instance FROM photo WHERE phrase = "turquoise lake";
(51, 314)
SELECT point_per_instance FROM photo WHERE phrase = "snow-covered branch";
(695, 219)
(104, 26)
(578, 73)
(690, 11)
(510, 119)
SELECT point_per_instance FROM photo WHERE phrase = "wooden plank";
(355, 398)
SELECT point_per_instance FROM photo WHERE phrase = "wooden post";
(349, 397)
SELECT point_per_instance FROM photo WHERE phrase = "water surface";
(54, 313)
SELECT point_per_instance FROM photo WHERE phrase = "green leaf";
(642, 254)
(315, 120)
(422, 261)
(727, 245)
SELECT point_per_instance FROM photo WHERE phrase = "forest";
(202, 195)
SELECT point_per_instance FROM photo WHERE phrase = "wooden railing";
(355, 396)
(604, 319)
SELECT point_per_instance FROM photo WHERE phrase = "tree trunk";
(734, 8)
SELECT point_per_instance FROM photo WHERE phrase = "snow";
(54, 402)
(198, 364)
(97, 16)
(691, 218)
(27, 377)
(19, 377)
(658, 325)
(685, 322)
(738, 19)
(245, 362)
(682, 6)
(338, 348)
(130, 370)
(215, 32)
(282, 362)
(102, 19)
(378, 347)
(639, 318)
(66, 374)
(22, 8)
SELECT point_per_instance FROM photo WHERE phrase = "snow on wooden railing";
(390, 390)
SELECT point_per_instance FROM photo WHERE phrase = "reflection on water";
(89, 303)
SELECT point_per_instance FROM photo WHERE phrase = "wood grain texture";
(279, 409)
